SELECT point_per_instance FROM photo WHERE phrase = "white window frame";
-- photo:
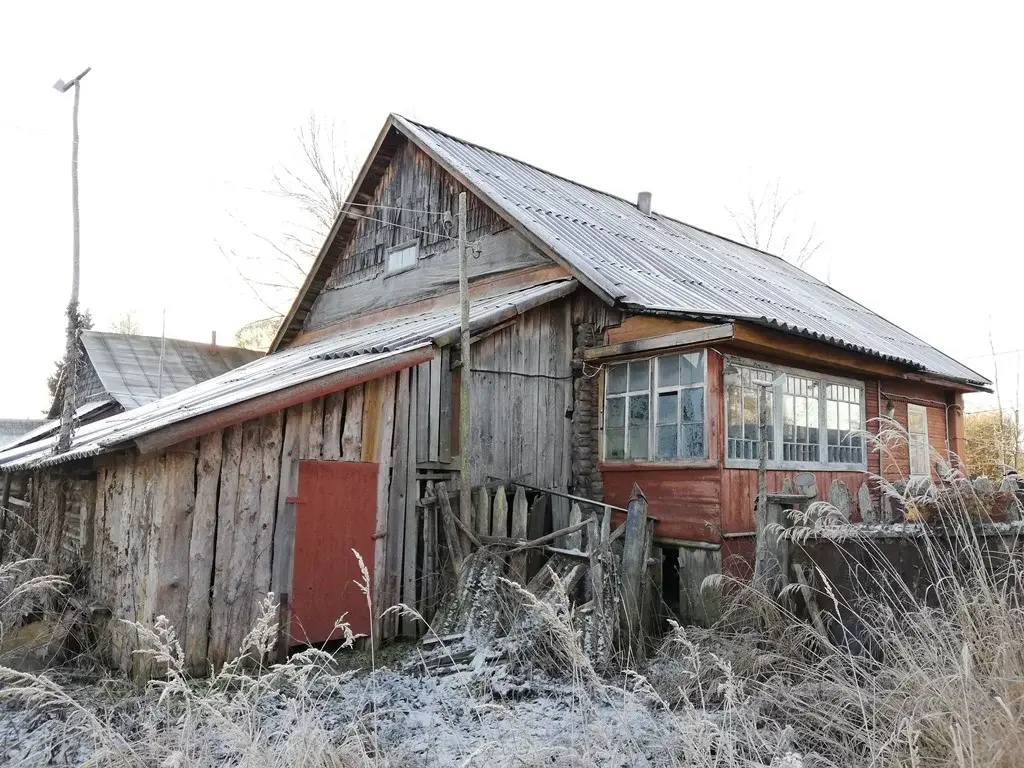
(923, 412)
(411, 245)
(823, 380)
(652, 390)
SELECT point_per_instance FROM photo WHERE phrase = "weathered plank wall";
(409, 206)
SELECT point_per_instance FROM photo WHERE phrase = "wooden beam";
(688, 338)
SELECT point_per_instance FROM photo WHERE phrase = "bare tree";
(766, 222)
(127, 323)
(273, 265)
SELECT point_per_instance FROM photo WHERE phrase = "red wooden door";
(335, 512)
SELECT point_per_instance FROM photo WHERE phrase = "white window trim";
(923, 411)
(777, 418)
(388, 272)
(652, 390)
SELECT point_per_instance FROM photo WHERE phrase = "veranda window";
(745, 417)
(655, 409)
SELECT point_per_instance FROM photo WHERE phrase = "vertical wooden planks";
(396, 505)
(499, 518)
(314, 425)
(271, 439)
(434, 448)
(384, 480)
(519, 518)
(334, 416)
(482, 510)
(444, 437)
(284, 529)
(423, 409)
(240, 563)
(352, 433)
(227, 503)
(173, 523)
(373, 395)
(411, 513)
(201, 548)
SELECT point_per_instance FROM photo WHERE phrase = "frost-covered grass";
(908, 680)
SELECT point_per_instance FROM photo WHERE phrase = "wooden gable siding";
(408, 205)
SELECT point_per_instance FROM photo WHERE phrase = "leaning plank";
(536, 525)
(385, 462)
(284, 529)
(271, 429)
(175, 534)
(226, 508)
(634, 566)
(241, 585)
(451, 531)
(334, 416)
(559, 514)
(352, 433)
(411, 513)
(392, 564)
(200, 569)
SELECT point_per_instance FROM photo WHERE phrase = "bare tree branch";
(765, 217)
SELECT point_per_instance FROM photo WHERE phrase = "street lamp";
(71, 352)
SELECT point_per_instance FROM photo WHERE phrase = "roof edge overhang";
(901, 368)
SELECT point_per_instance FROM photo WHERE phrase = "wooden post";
(465, 373)
(634, 566)
(499, 520)
(517, 563)
(3, 505)
(483, 512)
(575, 540)
(762, 480)
(600, 637)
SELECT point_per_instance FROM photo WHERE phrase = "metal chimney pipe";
(213, 341)
(643, 203)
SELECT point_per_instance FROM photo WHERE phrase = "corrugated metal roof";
(656, 263)
(129, 365)
(83, 414)
(280, 371)
(11, 429)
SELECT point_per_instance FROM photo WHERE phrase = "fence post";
(760, 553)
(634, 566)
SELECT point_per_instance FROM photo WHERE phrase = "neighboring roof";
(83, 414)
(129, 366)
(285, 369)
(643, 263)
(14, 428)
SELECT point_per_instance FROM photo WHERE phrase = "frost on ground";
(473, 717)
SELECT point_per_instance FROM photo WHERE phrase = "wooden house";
(611, 345)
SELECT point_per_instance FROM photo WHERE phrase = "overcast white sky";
(899, 124)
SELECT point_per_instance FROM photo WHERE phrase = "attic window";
(402, 257)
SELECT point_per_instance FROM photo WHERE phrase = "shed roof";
(346, 351)
(641, 263)
(10, 429)
(129, 367)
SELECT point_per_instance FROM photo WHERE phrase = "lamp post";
(71, 352)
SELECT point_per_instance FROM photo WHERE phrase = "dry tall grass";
(903, 677)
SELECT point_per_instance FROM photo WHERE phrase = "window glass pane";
(919, 455)
(668, 371)
(615, 443)
(692, 441)
(667, 442)
(615, 412)
(668, 408)
(638, 438)
(615, 382)
(693, 404)
(692, 368)
(640, 376)
(402, 259)
(639, 410)
(743, 415)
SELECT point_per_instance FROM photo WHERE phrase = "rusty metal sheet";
(656, 263)
(335, 513)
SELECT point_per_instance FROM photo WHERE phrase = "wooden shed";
(611, 345)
